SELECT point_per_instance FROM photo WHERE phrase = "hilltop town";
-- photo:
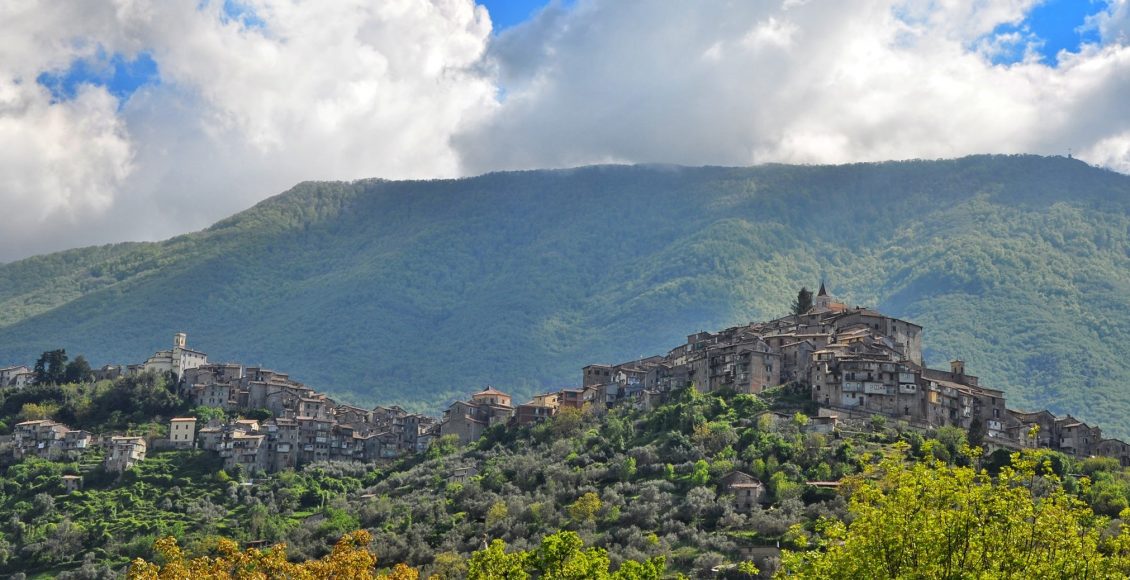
(855, 362)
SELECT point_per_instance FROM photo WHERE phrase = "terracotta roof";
(490, 391)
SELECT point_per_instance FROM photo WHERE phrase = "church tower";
(822, 300)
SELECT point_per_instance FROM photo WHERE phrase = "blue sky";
(1058, 24)
(507, 13)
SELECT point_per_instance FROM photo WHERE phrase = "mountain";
(415, 292)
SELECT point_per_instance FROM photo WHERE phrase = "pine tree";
(803, 302)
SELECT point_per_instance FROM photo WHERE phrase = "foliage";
(349, 559)
(51, 367)
(494, 563)
(932, 520)
(635, 486)
(803, 302)
(586, 507)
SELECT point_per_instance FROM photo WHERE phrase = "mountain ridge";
(413, 291)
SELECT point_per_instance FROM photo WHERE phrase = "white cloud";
(337, 90)
(419, 88)
(721, 82)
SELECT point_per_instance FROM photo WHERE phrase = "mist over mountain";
(415, 292)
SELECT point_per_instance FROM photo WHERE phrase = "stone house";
(40, 437)
(76, 440)
(18, 376)
(247, 451)
(532, 412)
(462, 474)
(745, 488)
(570, 398)
(1114, 448)
(72, 483)
(182, 432)
(469, 419)
(596, 374)
(123, 453)
(465, 420)
(491, 396)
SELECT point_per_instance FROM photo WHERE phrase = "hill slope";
(415, 292)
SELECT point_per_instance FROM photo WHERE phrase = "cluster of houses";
(298, 424)
(52, 440)
(856, 362)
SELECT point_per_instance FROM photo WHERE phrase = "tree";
(350, 558)
(701, 474)
(497, 513)
(493, 563)
(78, 371)
(561, 557)
(803, 302)
(51, 367)
(933, 520)
(976, 434)
(205, 414)
(448, 566)
(586, 507)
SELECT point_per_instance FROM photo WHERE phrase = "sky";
(141, 119)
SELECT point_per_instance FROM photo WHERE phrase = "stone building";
(48, 439)
(469, 419)
(72, 483)
(18, 376)
(123, 453)
(178, 359)
(745, 488)
(182, 432)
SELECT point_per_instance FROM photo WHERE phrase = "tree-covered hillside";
(415, 292)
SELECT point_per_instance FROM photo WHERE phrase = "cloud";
(251, 97)
(247, 104)
(718, 82)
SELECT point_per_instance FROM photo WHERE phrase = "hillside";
(701, 482)
(412, 292)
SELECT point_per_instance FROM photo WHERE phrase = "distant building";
(48, 439)
(72, 483)
(745, 488)
(469, 419)
(123, 453)
(17, 376)
(182, 432)
(179, 359)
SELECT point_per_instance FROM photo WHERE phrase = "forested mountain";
(415, 292)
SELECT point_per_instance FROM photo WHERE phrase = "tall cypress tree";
(803, 302)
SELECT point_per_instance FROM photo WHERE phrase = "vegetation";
(932, 520)
(561, 556)
(630, 494)
(415, 292)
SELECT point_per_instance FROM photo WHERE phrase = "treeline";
(130, 403)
